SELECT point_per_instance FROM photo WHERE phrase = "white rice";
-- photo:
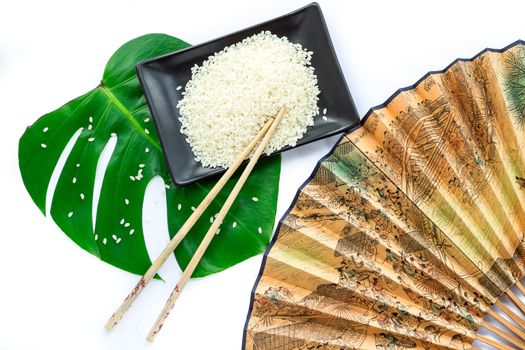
(235, 91)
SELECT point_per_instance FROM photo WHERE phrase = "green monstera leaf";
(117, 109)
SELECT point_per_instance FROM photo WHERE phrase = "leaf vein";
(114, 100)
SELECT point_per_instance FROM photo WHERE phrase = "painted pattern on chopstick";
(412, 228)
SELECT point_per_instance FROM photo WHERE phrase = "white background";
(53, 295)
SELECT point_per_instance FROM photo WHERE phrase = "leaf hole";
(53, 181)
(155, 225)
(102, 165)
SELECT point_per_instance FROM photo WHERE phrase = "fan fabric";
(412, 227)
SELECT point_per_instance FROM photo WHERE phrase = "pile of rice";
(235, 91)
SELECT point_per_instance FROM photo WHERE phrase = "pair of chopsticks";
(267, 132)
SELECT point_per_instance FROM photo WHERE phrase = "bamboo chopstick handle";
(183, 231)
(212, 230)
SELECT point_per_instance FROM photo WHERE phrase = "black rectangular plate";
(160, 77)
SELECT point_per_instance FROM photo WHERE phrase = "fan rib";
(516, 318)
(493, 343)
(520, 287)
(511, 326)
(514, 298)
(513, 340)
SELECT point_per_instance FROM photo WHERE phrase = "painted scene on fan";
(414, 225)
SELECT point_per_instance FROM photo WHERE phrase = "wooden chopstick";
(183, 231)
(212, 230)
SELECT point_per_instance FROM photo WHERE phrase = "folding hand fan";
(412, 228)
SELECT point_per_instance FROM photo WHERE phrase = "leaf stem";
(116, 102)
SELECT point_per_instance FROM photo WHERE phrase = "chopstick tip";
(109, 325)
